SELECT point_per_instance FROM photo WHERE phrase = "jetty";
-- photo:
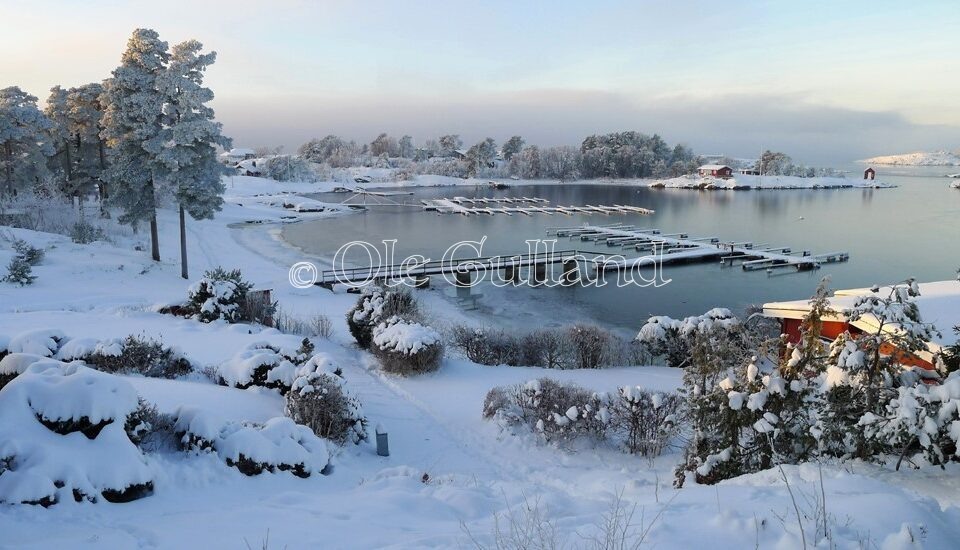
(681, 248)
(522, 205)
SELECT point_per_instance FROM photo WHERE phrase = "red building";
(939, 304)
(869, 174)
(716, 170)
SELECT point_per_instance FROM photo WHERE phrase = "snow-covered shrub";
(319, 399)
(218, 295)
(405, 347)
(13, 364)
(84, 232)
(554, 410)
(130, 355)
(645, 421)
(19, 272)
(590, 347)
(266, 365)
(63, 437)
(44, 342)
(278, 445)
(951, 356)
(150, 429)
(673, 339)
(30, 254)
(375, 304)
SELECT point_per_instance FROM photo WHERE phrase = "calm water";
(913, 230)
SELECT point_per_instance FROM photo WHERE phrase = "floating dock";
(680, 248)
(522, 205)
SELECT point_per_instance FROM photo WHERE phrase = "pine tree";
(190, 154)
(133, 128)
(24, 141)
(85, 111)
(57, 112)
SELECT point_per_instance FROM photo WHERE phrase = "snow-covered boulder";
(63, 437)
(278, 445)
(406, 347)
(45, 342)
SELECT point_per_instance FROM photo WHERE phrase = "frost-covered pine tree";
(133, 128)
(57, 113)
(512, 147)
(190, 153)
(24, 142)
(85, 112)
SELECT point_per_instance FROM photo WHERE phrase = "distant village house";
(716, 170)
(233, 156)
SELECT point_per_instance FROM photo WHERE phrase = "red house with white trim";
(716, 170)
(939, 304)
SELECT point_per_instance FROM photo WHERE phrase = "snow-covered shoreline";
(450, 471)
(919, 158)
(752, 182)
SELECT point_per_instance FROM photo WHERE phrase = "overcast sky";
(823, 81)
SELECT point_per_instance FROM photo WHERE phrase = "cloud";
(736, 125)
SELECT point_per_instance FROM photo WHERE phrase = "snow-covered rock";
(919, 158)
(45, 342)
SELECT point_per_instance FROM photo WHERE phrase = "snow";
(745, 181)
(50, 465)
(920, 158)
(404, 337)
(474, 468)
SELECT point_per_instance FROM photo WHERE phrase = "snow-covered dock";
(679, 247)
(522, 205)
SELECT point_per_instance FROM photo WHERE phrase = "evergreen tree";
(191, 150)
(132, 126)
(24, 141)
(512, 147)
(57, 112)
(85, 112)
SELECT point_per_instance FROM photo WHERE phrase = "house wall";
(832, 329)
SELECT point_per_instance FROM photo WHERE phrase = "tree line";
(142, 135)
(614, 155)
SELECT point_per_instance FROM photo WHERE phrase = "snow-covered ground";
(450, 473)
(920, 158)
(744, 181)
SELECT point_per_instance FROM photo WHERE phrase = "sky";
(826, 82)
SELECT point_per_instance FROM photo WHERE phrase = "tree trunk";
(101, 186)
(8, 153)
(183, 245)
(154, 238)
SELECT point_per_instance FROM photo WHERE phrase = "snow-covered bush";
(590, 347)
(84, 232)
(278, 445)
(218, 295)
(63, 437)
(30, 254)
(554, 410)
(44, 342)
(645, 421)
(19, 272)
(375, 304)
(319, 399)
(266, 365)
(673, 339)
(405, 347)
(130, 355)
(13, 364)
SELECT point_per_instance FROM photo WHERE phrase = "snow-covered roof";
(713, 167)
(939, 304)
(239, 152)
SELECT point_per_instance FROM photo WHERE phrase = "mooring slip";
(679, 247)
(521, 205)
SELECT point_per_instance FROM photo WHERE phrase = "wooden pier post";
(571, 271)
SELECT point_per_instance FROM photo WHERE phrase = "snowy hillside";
(920, 158)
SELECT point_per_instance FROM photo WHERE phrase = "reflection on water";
(913, 230)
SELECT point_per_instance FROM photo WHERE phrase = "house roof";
(713, 167)
(240, 152)
(939, 304)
